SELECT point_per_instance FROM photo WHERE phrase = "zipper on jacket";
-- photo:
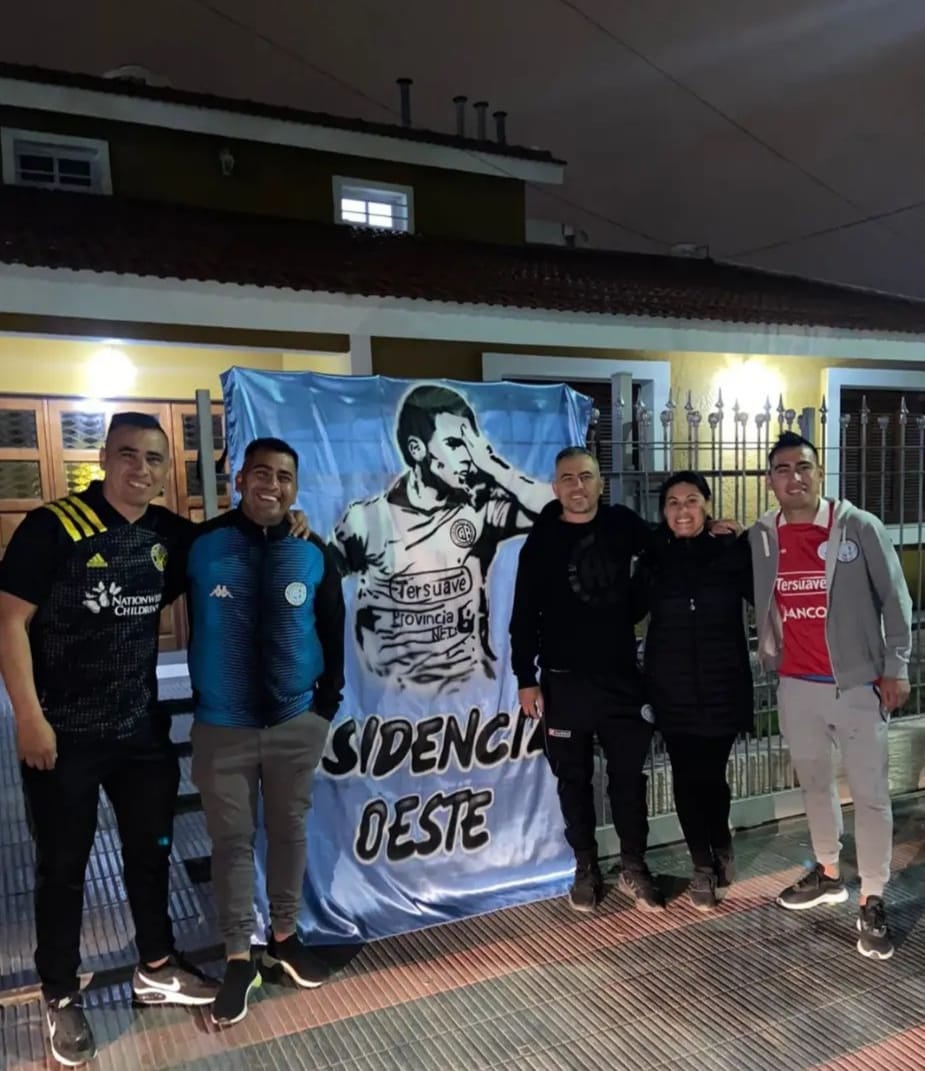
(264, 691)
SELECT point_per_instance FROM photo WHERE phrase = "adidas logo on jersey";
(220, 592)
(97, 562)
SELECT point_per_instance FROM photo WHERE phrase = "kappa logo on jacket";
(220, 591)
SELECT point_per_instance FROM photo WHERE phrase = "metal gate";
(875, 457)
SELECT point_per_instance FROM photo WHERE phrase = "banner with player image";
(433, 801)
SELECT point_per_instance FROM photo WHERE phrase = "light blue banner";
(434, 800)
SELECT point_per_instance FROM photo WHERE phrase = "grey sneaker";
(702, 889)
(176, 982)
(639, 883)
(874, 940)
(812, 889)
(72, 1042)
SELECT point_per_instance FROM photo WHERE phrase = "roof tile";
(105, 234)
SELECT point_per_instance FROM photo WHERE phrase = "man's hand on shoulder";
(725, 526)
(299, 527)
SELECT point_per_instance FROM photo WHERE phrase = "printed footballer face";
(445, 460)
(268, 487)
(135, 463)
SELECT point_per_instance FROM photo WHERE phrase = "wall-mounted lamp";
(109, 374)
(226, 161)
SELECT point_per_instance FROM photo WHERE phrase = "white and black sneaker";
(301, 964)
(176, 982)
(814, 888)
(72, 1042)
(875, 940)
(241, 979)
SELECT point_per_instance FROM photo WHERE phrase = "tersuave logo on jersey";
(109, 598)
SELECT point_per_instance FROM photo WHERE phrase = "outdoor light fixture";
(748, 381)
(226, 161)
(109, 373)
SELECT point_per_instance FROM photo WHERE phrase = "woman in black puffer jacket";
(697, 672)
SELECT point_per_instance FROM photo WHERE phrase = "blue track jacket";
(266, 624)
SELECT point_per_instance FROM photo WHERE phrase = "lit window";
(55, 161)
(383, 206)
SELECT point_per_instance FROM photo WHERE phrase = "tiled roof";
(108, 234)
(124, 88)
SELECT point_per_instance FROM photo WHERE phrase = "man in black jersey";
(573, 616)
(82, 585)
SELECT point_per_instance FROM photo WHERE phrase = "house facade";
(150, 238)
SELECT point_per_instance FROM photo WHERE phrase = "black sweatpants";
(140, 778)
(578, 708)
(701, 792)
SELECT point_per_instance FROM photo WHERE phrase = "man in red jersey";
(835, 620)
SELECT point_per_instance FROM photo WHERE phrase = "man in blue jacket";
(266, 663)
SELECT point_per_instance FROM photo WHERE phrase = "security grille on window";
(55, 162)
(386, 207)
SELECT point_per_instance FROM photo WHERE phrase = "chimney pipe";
(404, 87)
(500, 128)
(481, 111)
(460, 103)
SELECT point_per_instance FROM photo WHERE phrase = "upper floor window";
(373, 205)
(55, 161)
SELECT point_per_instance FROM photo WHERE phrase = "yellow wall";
(40, 366)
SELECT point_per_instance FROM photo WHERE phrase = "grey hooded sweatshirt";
(869, 611)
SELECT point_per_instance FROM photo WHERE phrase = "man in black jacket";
(573, 615)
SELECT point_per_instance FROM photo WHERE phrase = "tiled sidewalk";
(541, 988)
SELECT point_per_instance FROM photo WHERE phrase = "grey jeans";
(230, 767)
(813, 718)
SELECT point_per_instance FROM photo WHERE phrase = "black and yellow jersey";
(98, 583)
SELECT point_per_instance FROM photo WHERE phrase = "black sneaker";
(702, 889)
(875, 940)
(588, 887)
(176, 982)
(639, 883)
(724, 866)
(241, 978)
(812, 889)
(72, 1042)
(301, 964)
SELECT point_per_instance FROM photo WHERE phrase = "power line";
(298, 57)
(675, 81)
(874, 217)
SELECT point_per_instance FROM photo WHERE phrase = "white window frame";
(870, 380)
(10, 137)
(652, 377)
(391, 194)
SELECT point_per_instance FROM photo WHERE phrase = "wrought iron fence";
(875, 456)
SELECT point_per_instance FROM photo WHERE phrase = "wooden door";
(186, 447)
(26, 477)
(189, 480)
(76, 432)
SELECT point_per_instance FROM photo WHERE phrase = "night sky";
(789, 135)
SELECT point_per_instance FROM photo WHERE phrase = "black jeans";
(701, 792)
(577, 709)
(141, 778)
